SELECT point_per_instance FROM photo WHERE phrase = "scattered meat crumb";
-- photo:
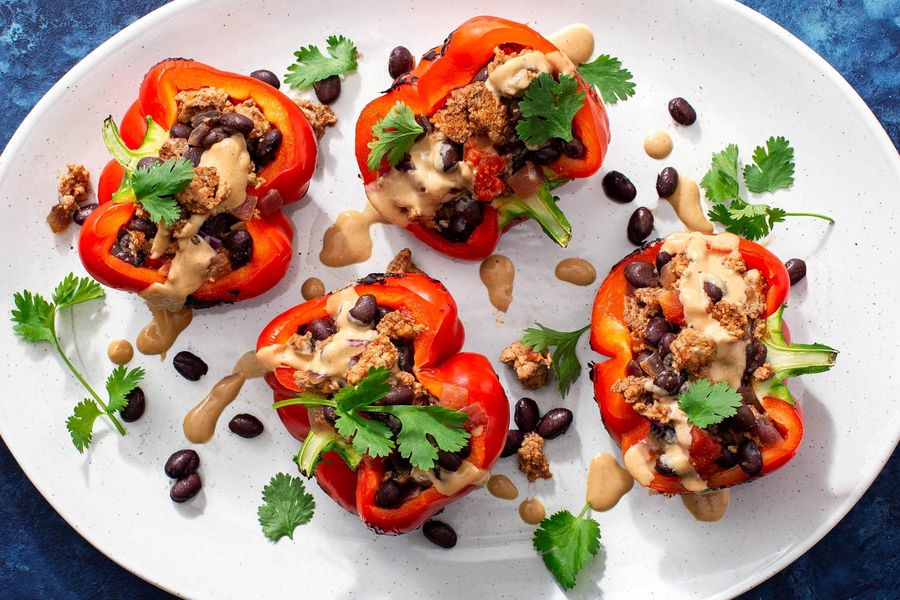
(532, 368)
(74, 188)
(379, 352)
(403, 263)
(204, 192)
(397, 325)
(193, 102)
(473, 110)
(532, 460)
(764, 373)
(318, 115)
(173, 148)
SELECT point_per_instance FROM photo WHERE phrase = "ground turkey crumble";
(532, 368)
(532, 460)
(318, 115)
(74, 188)
(403, 263)
(193, 102)
(204, 192)
(473, 110)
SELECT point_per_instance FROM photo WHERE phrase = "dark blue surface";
(42, 557)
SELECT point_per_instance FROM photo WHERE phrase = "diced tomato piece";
(704, 452)
(488, 166)
(672, 308)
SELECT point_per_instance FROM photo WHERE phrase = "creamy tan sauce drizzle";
(120, 352)
(452, 482)
(677, 455)
(349, 240)
(576, 271)
(200, 422)
(514, 76)
(312, 288)
(232, 163)
(576, 41)
(658, 145)
(707, 507)
(607, 482)
(159, 335)
(501, 487)
(686, 203)
(532, 511)
(497, 274)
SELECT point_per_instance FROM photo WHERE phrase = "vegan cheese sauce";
(199, 424)
(497, 274)
(707, 507)
(576, 271)
(658, 145)
(607, 482)
(312, 288)
(349, 240)
(120, 352)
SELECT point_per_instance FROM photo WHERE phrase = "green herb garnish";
(609, 77)
(566, 366)
(312, 66)
(706, 403)
(286, 504)
(393, 136)
(566, 543)
(548, 108)
(155, 188)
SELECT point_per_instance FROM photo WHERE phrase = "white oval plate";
(747, 78)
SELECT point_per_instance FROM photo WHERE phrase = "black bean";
(618, 187)
(641, 274)
(267, 146)
(329, 413)
(448, 460)
(245, 425)
(480, 75)
(388, 495)
(186, 488)
(405, 359)
(266, 76)
(573, 149)
(665, 343)
(182, 463)
(640, 225)
(544, 156)
(796, 269)
(662, 259)
(399, 394)
(633, 369)
(754, 358)
(554, 423)
(328, 90)
(743, 420)
(425, 123)
(137, 403)
(83, 212)
(670, 381)
(682, 112)
(664, 433)
(210, 118)
(527, 414)
(465, 451)
(513, 442)
(180, 131)
(189, 365)
(322, 329)
(714, 292)
(239, 244)
(198, 134)
(400, 61)
(390, 420)
(269, 203)
(383, 311)
(656, 329)
(666, 182)
(727, 459)
(450, 156)
(750, 458)
(214, 137)
(365, 309)
(439, 533)
(651, 363)
(237, 122)
(193, 156)
(663, 468)
(145, 226)
(121, 251)
(147, 162)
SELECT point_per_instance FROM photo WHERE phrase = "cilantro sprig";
(606, 73)
(155, 188)
(566, 543)
(362, 435)
(548, 108)
(773, 169)
(566, 366)
(393, 136)
(312, 66)
(286, 505)
(706, 403)
(34, 320)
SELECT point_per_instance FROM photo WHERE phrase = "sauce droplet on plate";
(120, 352)
(312, 288)
(501, 487)
(708, 507)
(607, 482)
(576, 271)
(532, 511)
(497, 273)
(349, 241)
(658, 145)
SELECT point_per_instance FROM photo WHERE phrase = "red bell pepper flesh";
(610, 337)
(471, 47)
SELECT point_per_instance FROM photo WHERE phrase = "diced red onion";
(244, 212)
(527, 181)
(213, 241)
(270, 203)
(356, 343)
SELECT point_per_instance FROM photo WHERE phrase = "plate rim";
(161, 13)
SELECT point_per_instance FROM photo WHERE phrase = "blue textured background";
(42, 557)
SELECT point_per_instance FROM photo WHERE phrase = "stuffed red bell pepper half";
(476, 137)
(694, 391)
(396, 422)
(190, 207)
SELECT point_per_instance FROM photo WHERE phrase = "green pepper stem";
(542, 208)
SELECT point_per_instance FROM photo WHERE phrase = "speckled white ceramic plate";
(718, 54)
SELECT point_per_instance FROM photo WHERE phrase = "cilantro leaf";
(369, 436)
(370, 389)
(707, 403)
(548, 108)
(81, 423)
(566, 543)
(119, 384)
(312, 66)
(286, 504)
(75, 290)
(155, 188)
(33, 317)
(417, 423)
(752, 221)
(393, 136)
(566, 366)
(721, 181)
(607, 75)
(774, 168)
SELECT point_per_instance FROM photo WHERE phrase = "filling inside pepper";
(698, 313)
(470, 155)
(228, 144)
(332, 353)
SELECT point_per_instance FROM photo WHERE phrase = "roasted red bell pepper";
(465, 51)
(462, 381)
(289, 173)
(610, 337)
